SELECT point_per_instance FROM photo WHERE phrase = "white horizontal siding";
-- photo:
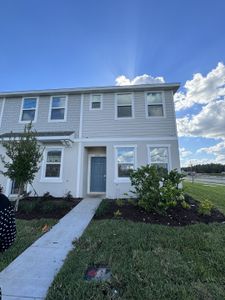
(102, 123)
(11, 115)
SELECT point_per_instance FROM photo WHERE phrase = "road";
(207, 179)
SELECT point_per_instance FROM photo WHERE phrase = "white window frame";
(118, 179)
(65, 109)
(92, 100)
(163, 105)
(168, 146)
(44, 163)
(36, 110)
(132, 106)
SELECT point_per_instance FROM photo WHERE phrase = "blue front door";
(98, 174)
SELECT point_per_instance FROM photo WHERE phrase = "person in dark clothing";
(7, 223)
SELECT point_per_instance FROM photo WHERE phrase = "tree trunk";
(19, 196)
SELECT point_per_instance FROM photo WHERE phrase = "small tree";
(25, 155)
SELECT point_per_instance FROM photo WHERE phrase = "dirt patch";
(39, 207)
(174, 216)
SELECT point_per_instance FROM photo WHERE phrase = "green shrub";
(103, 208)
(117, 214)
(155, 188)
(120, 202)
(175, 177)
(205, 207)
(185, 205)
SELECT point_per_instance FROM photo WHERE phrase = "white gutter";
(79, 156)
(2, 110)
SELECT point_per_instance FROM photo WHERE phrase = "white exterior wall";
(97, 128)
(115, 189)
(55, 188)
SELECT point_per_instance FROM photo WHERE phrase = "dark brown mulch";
(53, 207)
(174, 216)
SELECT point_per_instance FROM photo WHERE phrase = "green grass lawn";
(214, 193)
(147, 262)
(27, 233)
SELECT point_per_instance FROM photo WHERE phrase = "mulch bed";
(174, 216)
(58, 207)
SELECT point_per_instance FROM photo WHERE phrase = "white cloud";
(184, 153)
(142, 79)
(202, 90)
(217, 150)
(209, 122)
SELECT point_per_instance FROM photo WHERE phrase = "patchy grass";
(147, 262)
(27, 233)
(214, 193)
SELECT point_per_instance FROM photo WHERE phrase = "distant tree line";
(207, 168)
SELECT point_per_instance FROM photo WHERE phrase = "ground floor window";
(53, 163)
(125, 161)
(14, 188)
(159, 156)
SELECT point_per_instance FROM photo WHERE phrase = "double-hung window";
(53, 164)
(96, 102)
(154, 103)
(124, 105)
(125, 161)
(29, 110)
(159, 156)
(58, 108)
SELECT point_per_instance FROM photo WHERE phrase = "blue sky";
(52, 44)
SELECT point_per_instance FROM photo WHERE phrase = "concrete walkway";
(30, 275)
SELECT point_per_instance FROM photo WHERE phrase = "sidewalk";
(30, 275)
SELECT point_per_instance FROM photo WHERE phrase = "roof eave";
(126, 88)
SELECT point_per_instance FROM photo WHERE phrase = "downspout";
(79, 156)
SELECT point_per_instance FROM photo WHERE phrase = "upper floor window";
(124, 105)
(96, 102)
(58, 108)
(125, 161)
(29, 110)
(53, 163)
(159, 156)
(154, 104)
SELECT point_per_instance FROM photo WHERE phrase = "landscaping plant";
(155, 188)
(23, 157)
(205, 207)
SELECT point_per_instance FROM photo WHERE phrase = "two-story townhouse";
(93, 137)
